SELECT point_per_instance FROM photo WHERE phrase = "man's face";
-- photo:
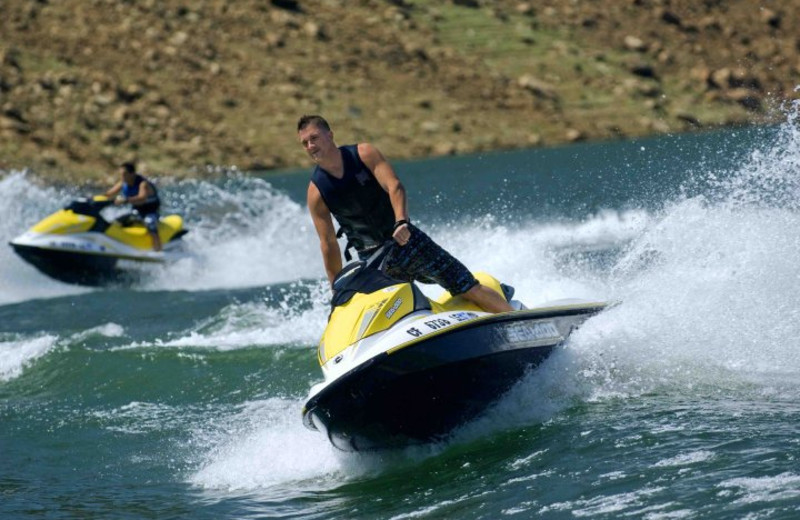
(126, 177)
(316, 141)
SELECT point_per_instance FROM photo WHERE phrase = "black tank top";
(151, 204)
(357, 200)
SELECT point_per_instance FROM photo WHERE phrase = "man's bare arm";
(323, 223)
(145, 192)
(384, 173)
(113, 190)
(387, 178)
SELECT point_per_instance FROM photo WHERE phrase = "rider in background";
(139, 192)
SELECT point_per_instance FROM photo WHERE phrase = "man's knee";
(474, 292)
(487, 299)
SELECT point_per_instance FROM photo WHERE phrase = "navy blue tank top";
(361, 206)
(150, 205)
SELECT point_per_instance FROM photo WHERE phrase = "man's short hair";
(129, 166)
(315, 120)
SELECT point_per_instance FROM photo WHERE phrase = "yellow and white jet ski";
(78, 245)
(401, 369)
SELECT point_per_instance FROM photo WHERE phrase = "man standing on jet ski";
(359, 187)
(140, 193)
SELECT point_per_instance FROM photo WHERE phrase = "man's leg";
(422, 258)
(156, 241)
(151, 222)
(487, 299)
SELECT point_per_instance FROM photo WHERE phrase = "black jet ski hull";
(76, 268)
(421, 392)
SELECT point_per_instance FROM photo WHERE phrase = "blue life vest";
(151, 205)
(357, 200)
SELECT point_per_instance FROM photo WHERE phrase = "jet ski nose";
(508, 291)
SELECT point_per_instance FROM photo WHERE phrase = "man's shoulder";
(316, 171)
(315, 201)
(358, 147)
(351, 148)
(369, 155)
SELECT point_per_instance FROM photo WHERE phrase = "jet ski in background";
(401, 369)
(78, 245)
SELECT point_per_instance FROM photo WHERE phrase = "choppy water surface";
(180, 397)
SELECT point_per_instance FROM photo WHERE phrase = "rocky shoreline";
(181, 86)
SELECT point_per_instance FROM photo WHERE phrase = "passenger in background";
(141, 194)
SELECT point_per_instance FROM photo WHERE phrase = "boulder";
(632, 43)
(537, 87)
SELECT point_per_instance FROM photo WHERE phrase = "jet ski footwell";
(420, 391)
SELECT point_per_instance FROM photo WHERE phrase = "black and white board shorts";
(423, 260)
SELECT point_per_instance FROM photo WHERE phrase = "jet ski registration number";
(440, 323)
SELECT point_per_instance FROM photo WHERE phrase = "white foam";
(708, 286)
(242, 325)
(242, 233)
(137, 417)
(782, 487)
(526, 256)
(25, 203)
(707, 292)
(263, 445)
(617, 504)
(686, 459)
(16, 355)
(108, 330)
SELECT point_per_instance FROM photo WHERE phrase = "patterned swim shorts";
(423, 260)
(151, 222)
